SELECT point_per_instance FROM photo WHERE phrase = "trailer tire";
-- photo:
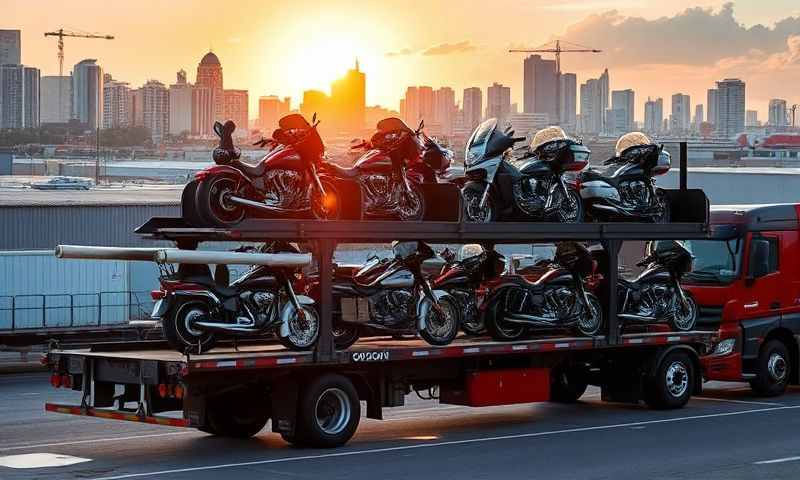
(673, 382)
(237, 414)
(773, 369)
(568, 383)
(328, 412)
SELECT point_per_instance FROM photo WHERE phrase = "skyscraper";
(567, 104)
(730, 104)
(270, 109)
(236, 109)
(426, 104)
(777, 112)
(117, 100)
(55, 99)
(444, 112)
(472, 105)
(592, 111)
(751, 118)
(209, 75)
(349, 101)
(698, 117)
(10, 47)
(11, 96)
(540, 87)
(498, 101)
(622, 101)
(653, 115)
(31, 92)
(87, 93)
(711, 107)
(180, 105)
(604, 83)
(202, 111)
(409, 106)
(680, 119)
(155, 98)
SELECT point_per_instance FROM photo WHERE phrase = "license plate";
(157, 309)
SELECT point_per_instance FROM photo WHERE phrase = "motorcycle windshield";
(392, 124)
(293, 121)
(486, 142)
(372, 157)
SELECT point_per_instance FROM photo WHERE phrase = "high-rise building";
(180, 105)
(698, 117)
(604, 83)
(315, 101)
(623, 102)
(31, 91)
(409, 106)
(426, 104)
(137, 108)
(87, 93)
(19, 96)
(236, 109)
(777, 113)
(270, 109)
(10, 47)
(680, 119)
(711, 107)
(349, 100)
(55, 98)
(444, 111)
(730, 106)
(472, 106)
(592, 111)
(155, 97)
(653, 115)
(568, 103)
(527, 124)
(498, 101)
(209, 75)
(751, 118)
(540, 87)
(117, 100)
(202, 111)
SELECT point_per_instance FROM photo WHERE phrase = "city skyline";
(287, 54)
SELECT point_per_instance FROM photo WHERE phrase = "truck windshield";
(715, 261)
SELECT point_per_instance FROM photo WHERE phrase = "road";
(724, 434)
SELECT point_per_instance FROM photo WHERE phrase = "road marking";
(777, 460)
(40, 460)
(92, 440)
(442, 444)
(712, 399)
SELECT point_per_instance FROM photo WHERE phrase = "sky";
(268, 47)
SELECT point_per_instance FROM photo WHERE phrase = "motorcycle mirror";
(218, 129)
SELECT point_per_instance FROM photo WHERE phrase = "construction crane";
(555, 48)
(794, 111)
(61, 33)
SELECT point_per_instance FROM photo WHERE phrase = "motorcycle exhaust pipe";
(525, 318)
(636, 318)
(264, 207)
(229, 328)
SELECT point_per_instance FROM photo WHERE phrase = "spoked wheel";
(411, 204)
(303, 329)
(663, 202)
(683, 317)
(325, 207)
(180, 331)
(441, 327)
(471, 195)
(328, 413)
(213, 201)
(591, 322)
(571, 210)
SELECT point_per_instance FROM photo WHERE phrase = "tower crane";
(61, 33)
(555, 48)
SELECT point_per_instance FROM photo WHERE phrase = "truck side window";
(773, 254)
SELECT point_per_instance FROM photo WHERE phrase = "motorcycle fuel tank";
(283, 158)
(373, 160)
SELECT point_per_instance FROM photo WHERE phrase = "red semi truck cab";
(746, 279)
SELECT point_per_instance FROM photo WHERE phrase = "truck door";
(790, 269)
(763, 296)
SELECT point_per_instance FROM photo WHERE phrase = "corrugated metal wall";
(34, 227)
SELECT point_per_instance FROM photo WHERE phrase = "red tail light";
(66, 381)
(157, 294)
(178, 392)
(163, 390)
(55, 380)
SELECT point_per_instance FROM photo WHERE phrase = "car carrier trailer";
(313, 398)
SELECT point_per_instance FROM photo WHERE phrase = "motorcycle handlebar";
(518, 139)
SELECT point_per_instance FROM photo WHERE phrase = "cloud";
(401, 52)
(450, 48)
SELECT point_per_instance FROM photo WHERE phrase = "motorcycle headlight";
(725, 347)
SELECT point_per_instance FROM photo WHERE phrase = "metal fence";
(26, 312)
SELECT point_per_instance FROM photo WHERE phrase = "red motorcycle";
(397, 160)
(285, 183)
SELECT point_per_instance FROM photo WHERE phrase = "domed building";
(209, 74)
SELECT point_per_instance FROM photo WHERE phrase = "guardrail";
(30, 312)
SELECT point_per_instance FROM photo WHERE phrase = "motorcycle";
(556, 299)
(396, 161)
(532, 186)
(194, 307)
(284, 183)
(464, 280)
(392, 296)
(626, 190)
(656, 296)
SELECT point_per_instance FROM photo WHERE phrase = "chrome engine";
(260, 305)
(654, 301)
(634, 193)
(379, 192)
(286, 189)
(531, 194)
(392, 307)
(554, 303)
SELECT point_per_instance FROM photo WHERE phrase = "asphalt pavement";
(726, 433)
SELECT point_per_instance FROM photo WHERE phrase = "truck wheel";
(238, 414)
(568, 383)
(329, 412)
(772, 370)
(672, 384)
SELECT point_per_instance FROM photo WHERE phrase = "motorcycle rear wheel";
(498, 328)
(344, 336)
(212, 204)
(178, 329)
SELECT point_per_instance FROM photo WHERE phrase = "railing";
(27, 312)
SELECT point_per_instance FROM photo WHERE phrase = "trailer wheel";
(237, 414)
(772, 370)
(672, 384)
(329, 412)
(568, 383)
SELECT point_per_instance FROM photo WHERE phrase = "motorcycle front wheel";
(590, 323)
(303, 329)
(571, 210)
(411, 205)
(684, 319)
(327, 206)
(471, 196)
(441, 327)
(213, 204)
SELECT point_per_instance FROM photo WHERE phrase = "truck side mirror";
(758, 263)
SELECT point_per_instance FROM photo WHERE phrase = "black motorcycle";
(626, 190)
(465, 280)
(531, 186)
(392, 296)
(656, 296)
(194, 307)
(557, 299)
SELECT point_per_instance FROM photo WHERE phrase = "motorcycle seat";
(251, 171)
(342, 171)
(206, 281)
(628, 283)
(596, 174)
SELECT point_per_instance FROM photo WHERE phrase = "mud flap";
(442, 202)
(284, 394)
